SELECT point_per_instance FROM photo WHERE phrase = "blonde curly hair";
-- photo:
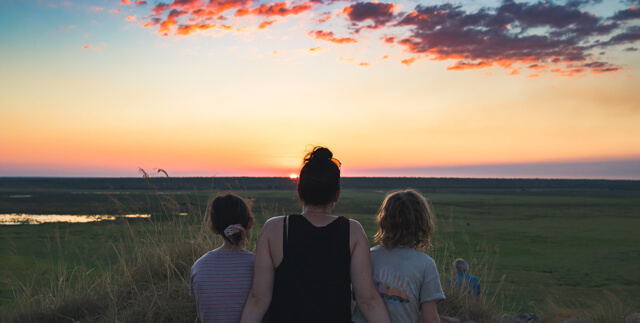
(405, 218)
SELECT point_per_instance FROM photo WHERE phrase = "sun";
(293, 176)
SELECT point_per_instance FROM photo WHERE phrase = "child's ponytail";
(235, 233)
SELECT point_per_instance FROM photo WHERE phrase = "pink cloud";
(197, 13)
(323, 17)
(66, 28)
(275, 9)
(409, 61)
(265, 24)
(190, 29)
(329, 36)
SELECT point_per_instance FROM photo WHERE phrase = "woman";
(306, 263)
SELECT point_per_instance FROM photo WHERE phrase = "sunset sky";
(469, 88)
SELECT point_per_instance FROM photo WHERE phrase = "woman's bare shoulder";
(354, 225)
(356, 231)
(274, 220)
(272, 226)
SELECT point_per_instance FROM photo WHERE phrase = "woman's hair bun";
(319, 180)
(318, 153)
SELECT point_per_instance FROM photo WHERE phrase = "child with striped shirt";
(222, 278)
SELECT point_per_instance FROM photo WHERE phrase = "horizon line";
(285, 177)
(628, 169)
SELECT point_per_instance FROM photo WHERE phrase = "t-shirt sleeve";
(431, 289)
(191, 293)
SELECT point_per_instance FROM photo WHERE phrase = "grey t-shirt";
(405, 278)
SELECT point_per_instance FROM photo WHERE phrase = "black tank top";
(313, 281)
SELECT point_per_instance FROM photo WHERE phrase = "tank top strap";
(284, 235)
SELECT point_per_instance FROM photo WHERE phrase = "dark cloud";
(631, 49)
(597, 67)
(582, 3)
(630, 35)
(627, 14)
(389, 39)
(378, 13)
(507, 34)
(564, 20)
(544, 14)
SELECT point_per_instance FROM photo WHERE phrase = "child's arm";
(429, 312)
(259, 297)
(367, 297)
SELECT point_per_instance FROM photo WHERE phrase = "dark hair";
(405, 218)
(319, 179)
(229, 209)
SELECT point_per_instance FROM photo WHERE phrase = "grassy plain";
(568, 245)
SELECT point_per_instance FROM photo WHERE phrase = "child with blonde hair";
(222, 278)
(406, 278)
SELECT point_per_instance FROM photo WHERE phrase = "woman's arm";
(429, 312)
(259, 297)
(367, 297)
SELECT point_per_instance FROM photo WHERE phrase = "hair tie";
(232, 229)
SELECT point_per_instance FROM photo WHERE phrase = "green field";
(566, 244)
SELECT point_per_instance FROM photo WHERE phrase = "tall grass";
(489, 306)
(148, 282)
(610, 307)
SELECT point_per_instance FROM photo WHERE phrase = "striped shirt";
(220, 281)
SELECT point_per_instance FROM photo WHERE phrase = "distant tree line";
(284, 183)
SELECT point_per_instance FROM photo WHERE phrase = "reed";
(610, 307)
(491, 303)
(149, 280)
